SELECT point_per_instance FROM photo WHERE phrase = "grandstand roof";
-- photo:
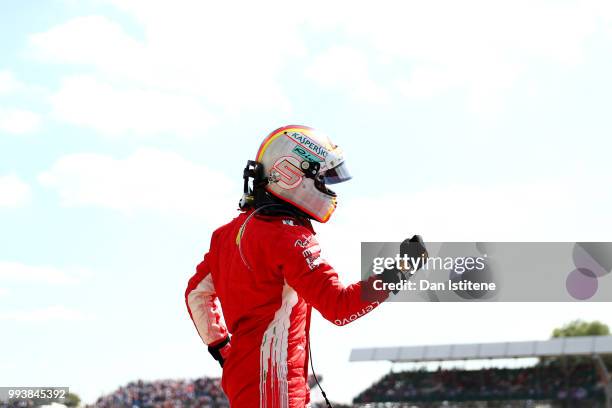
(586, 345)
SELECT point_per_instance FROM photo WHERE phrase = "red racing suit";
(267, 274)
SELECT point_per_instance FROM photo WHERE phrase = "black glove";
(413, 248)
(392, 276)
(221, 350)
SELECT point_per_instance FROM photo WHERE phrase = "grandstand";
(571, 372)
(199, 393)
(202, 392)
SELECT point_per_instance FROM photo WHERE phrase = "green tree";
(578, 328)
(72, 400)
(581, 328)
(568, 364)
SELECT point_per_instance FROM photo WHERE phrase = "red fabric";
(225, 351)
(266, 307)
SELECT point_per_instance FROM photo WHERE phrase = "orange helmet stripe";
(274, 135)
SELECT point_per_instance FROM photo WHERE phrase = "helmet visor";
(337, 175)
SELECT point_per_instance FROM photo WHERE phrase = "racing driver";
(264, 268)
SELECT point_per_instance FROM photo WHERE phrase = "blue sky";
(124, 127)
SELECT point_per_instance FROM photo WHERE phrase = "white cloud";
(426, 82)
(346, 69)
(149, 179)
(485, 83)
(18, 121)
(114, 111)
(87, 40)
(234, 61)
(3, 291)
(478, 47)
(14, 120)
(13, 191)
(189, 47)
(442, 31)
(43, 315)
(8, 82)
(19, 272)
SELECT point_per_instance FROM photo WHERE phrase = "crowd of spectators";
(552, 382)
(541, 382)
(201, 393)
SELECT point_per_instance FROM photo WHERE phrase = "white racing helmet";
(299, 163)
